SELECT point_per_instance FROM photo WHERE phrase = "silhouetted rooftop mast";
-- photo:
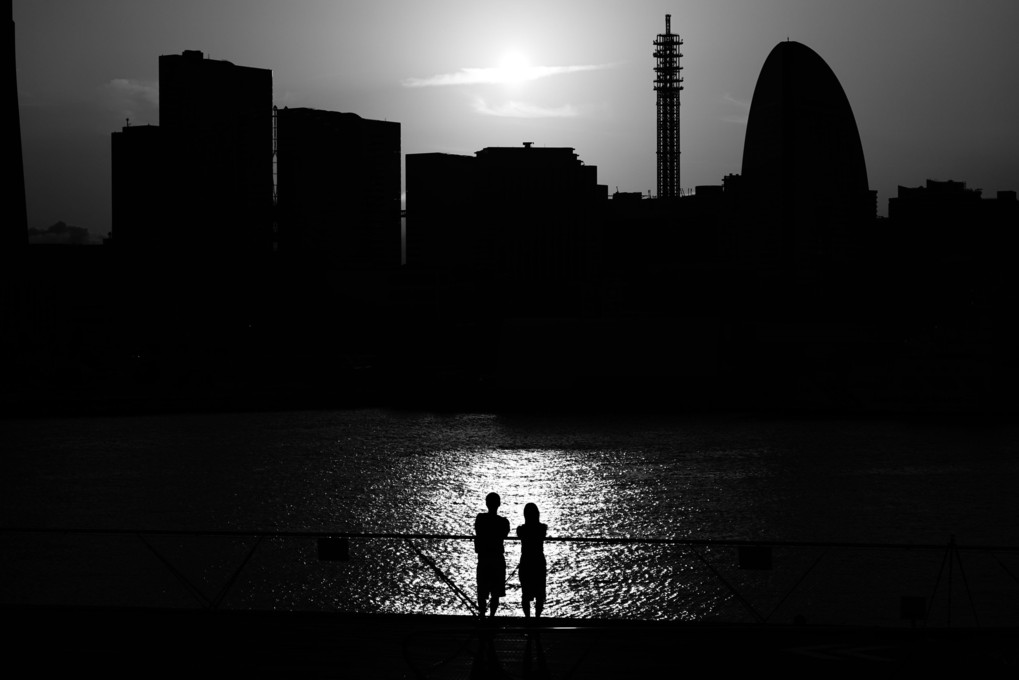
(668, 84)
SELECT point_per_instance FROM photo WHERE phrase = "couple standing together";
(490, 529)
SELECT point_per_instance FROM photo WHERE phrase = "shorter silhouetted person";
(532, 560)
(490, 529)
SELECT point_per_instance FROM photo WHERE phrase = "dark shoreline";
(619, 399)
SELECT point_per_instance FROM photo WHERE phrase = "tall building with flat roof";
(525, 219)
(338, 188)
(212, 176)
(440, 196)
(541, 202)
(148, 181)
(200, 93)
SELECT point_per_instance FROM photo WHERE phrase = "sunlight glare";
(514, 68)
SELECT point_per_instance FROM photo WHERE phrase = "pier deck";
(147, 643)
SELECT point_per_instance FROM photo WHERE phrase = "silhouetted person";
(490, 529)
(532, 560)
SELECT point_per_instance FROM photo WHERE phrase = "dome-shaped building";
(804, 178)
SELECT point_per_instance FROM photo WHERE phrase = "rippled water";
(394, 472)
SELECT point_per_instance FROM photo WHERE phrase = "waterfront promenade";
(164, 643)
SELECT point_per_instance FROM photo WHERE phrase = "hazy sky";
(933, 83)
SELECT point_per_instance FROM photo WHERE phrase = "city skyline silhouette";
(523, 275)
(916, 78)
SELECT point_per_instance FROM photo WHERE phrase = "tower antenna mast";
(668, 85)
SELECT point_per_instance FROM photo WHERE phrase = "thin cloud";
(497, 75)
(739, 119)
(513, 109)
(133, 98)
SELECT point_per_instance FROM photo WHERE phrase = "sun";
(514, 68)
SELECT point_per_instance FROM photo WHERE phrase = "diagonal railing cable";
(204, 601)
(1004, 567)
(797, 584)
(949, 559)
(965, 583)
(237, 572)
(721, 579)
(445, 579)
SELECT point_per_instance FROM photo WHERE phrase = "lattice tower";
(668, 85)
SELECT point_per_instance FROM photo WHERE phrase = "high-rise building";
(338, 188)
(522, 213)
(149, 181)
(804, 178)
(208, 166)
(441, 194)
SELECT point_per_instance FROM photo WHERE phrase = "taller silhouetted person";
(490, 530)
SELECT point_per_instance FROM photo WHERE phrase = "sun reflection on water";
(578, 495)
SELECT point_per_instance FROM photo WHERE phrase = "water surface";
(372, 471)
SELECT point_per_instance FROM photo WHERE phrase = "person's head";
(493, 501)
(531, 513)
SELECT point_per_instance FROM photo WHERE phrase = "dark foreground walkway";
(145, 643)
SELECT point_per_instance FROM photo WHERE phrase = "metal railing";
(760, 582)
